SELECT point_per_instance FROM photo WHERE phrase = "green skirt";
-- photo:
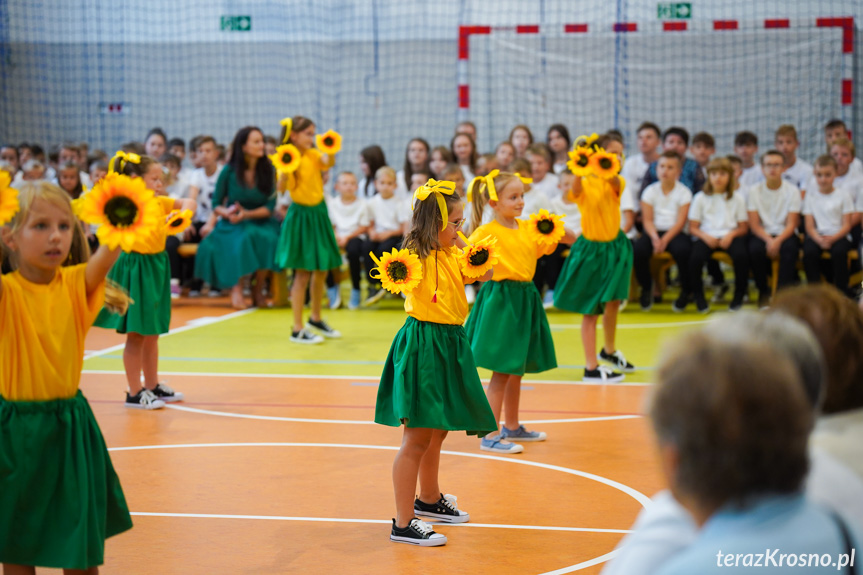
(232, 251)
(59, 495)
(594, 274)
(307, 241)
(147, 278)
(430, 381)
(508, 329)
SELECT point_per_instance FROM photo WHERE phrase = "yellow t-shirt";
(156, 243)
(517, 250)
(43, 331)
(600, 209)
(306, 183)
(451, 306)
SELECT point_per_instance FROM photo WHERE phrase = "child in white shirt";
(388, 218)
(349, 215)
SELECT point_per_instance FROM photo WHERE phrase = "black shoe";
(417, 533)
(763, 301)
(601, 374)
(680, 303)
(701, 304)
(324, 328)
(736, 303)
(616, 359)
(646, 299)
(166, 394)
(444, 509)
(303, 336)
(719, 292)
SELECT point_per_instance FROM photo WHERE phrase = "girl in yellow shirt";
(430, 383)
(59, 495)
(510, 304)
(595, 277)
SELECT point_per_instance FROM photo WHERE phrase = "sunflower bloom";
(579, 160)
(178, 221)
(8, 199)
(329, 143)
(286, 159)
(123, 209)
(546, 228)
(604, 165)
(477, 258)
(399, 271)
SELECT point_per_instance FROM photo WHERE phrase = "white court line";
(189, 326)
(376, 521)
(343, 377)
(631, 325)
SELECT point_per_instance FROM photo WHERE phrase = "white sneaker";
(303, 336)
(144, 399)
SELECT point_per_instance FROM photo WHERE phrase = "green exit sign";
(236, 24)
(674, 10)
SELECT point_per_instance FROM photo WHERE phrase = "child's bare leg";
(258, 290)
(609, 325)
(588, 341)
(415, 443)
(429, 466)
(133, 360)
(90, 571)
(495, 394)
(150, 361)
(511, 399)
(10, 569)
(237, 299)
(298, 296)
(318, 282)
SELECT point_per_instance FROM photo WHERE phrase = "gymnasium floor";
(273, 464)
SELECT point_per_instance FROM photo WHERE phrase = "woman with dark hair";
(558, 141)
(417, 156)
(371, 160)
(244, 236)
(156, 143)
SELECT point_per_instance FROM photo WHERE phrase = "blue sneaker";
(354, 302)
(521, 434)
(334, 297)
(548, 299)
(497, 445)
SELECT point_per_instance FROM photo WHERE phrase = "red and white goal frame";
(674, 26)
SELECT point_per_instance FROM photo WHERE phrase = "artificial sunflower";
(604, 165)
(178, 221)
(8, 199)
(477, 258)
(399, 271)
(587, 141)
(546, 228)
(123, 208)
(579, 160)
(286, 159)
(329, 142)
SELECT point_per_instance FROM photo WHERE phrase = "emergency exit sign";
(674, 10)
(236, 23)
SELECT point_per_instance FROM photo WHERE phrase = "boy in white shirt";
(636, 166)
(544, 180)
(561, 205)
(774, 214)
(388, 219)
(797, 171)
(746, 148)
(202, 184)
(835, 129)
(828, 214)
(349, 215)
(664, 207)
(703, 147)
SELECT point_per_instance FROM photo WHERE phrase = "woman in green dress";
(241, 236)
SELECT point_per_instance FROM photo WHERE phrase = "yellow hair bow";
(524, 180)
(124, 157)
(489, 183)
(438, 189)
(288, 123)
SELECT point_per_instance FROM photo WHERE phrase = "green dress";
(232, 251)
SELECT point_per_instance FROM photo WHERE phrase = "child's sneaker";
(701, 304)
(444, 509)
(497, 445)
(176, 290)
(736, 304)
(521, 434)
(719, 292)
(646, 298)
(601, 374)
(417, 532)
(680, 303)
(303, 336)
(324, 328)
(548, 299)
(144, 399)
(166, 394)
(375, 296)
(354, 302)
(334, 297)
(616, 359)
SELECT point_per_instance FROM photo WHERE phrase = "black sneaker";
(764, 301)
(324, 328)
(719, 292)
(646, 299)
(616, 359)
(602, 374)
(444, 509)
(144, 399)
(736, 304)
(303, 336)
(166, 394)
(375, 296)
(680, 303)
(417, 533)
(701, 304)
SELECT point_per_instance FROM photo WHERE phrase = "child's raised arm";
(99, 266)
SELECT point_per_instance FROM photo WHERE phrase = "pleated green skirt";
(594, 274)
(232, 251)
(508, 329)
(307, 241)
(147, 278)
(60, 497)
(430, 381)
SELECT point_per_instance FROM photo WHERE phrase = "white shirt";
(627, 203)
(533, 202)
(178, 190)
(401, 184)
(206, 186)
(773, 206)
(388, 214)
(828, 209)
(558, 168)
(666, 207)
(856, 167)
(751, 176)
(547, 186)
(634, 170)
(346, 218)
(718, 214)
(798, 173)
(570, 210)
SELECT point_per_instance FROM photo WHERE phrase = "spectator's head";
(33, 170)
(68, 154)
(385, 182)
(98, 170)
(464, 150)
(612, 142)
(835, 129)
(648, 137)
(720, 178)
(843, 151)
(736, 165)
(346, 185)
(668, 167)
(675, 139)
(452, 173)
(372, 159)
(171, 163)
(206, 153)
(703, 146)
(746, 146)
(441, 157)
(418, 179)
(9, 155)
(69, 178)
(521, 167)
(177, 147)
(825, 171)
(486, 163)
(466, 127)
(539, 157)
(25, 152)
(270, 144)
(505, 154)
(156, 142)
(520, 137)
(558, 139)
(786, 143)
(772, 165)
(565, 179)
